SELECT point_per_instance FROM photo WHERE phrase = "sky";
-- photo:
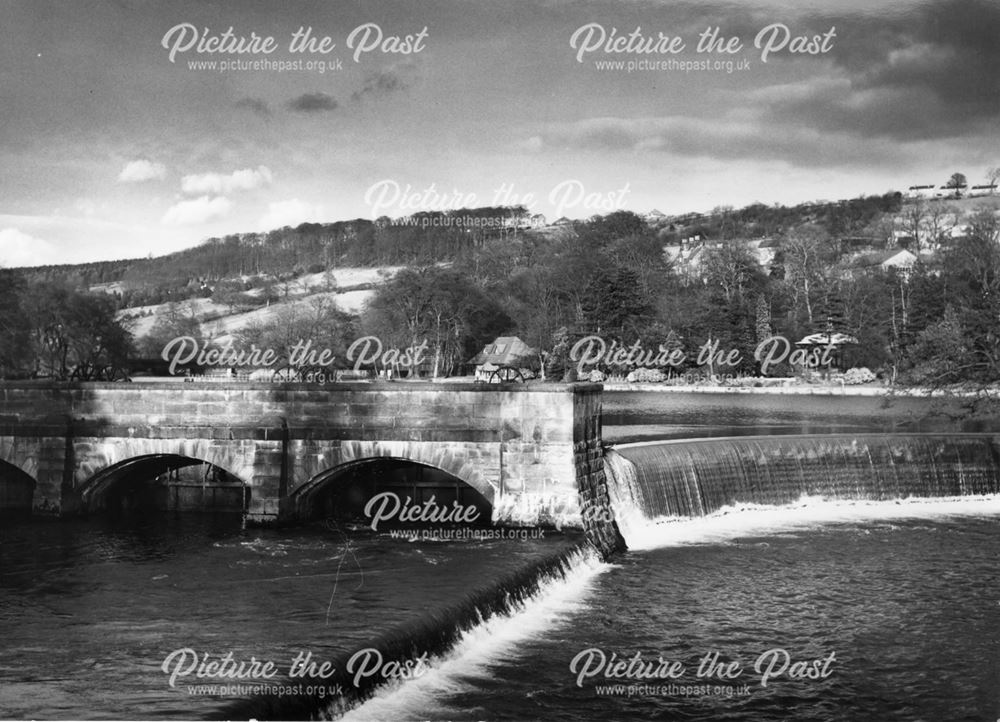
(123, 135)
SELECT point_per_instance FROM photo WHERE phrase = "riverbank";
(808, 390)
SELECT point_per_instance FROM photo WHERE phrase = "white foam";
(808, 512)
(494, 640)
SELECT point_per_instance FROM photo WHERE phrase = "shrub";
(646, 376)
(858, 376)
(742, 382)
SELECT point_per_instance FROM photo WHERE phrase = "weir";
(693, 478)
(436, 636)
(526, 455)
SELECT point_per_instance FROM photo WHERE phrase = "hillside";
(872, 268)
(249, 262)
(349, 289)
(283, 254)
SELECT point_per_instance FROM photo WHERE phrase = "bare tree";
(941, 219)
(808, 254)
(883, 227)
(993, 175)
(727, 225)
(316, 322)
(985, 224)
(914, 219)
(732, 267)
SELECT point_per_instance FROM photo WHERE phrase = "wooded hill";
(422, 239)
(460, 285)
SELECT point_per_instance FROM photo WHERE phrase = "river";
(818, 610)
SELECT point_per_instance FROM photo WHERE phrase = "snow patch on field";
(220, 323)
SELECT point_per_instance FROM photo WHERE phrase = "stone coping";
(816, 390)
(396, 386)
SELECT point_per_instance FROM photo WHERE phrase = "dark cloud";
(312, 103)
(688, 137)
(960, 63)
(931, 72)
(381, 83)
(906, 71)
(255, 105)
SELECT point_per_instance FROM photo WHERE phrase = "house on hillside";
(503, 351)
(901, 260)
(764, 250)
(921, 191)
(855, 245)
(898, 259)
(950, 191)
(982, 190)
(686, 255)
(956, 232)
(672, 252)
(689, 256)
(114, 288)
(564, 221)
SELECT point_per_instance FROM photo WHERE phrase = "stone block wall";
(533, 450)
(597, 517)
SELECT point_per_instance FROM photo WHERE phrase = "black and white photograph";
(473, 360)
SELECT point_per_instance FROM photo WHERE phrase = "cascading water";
(682, 479)
(442, 635)
(624, 493)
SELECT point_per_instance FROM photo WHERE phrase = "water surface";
(649, 415)
(909, 607)
(91, 608)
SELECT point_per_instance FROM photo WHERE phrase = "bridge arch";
(17, 488)
(145, 481)
(24, 454)
(344, 489)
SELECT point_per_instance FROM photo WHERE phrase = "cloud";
(313, 103)
(923, 74)
(63, 234)
(221, 184)
(197, 210)
(87, 207)
(740, 137)
(381, 83)
(289, 213)
(255, 105)
(534, 144)
(17, 248)
(893, 83)
(139, 171)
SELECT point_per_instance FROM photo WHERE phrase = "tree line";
(935, 322)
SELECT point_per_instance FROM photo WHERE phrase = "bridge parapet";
(528, 448)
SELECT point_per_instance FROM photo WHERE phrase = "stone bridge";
(532, 451)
